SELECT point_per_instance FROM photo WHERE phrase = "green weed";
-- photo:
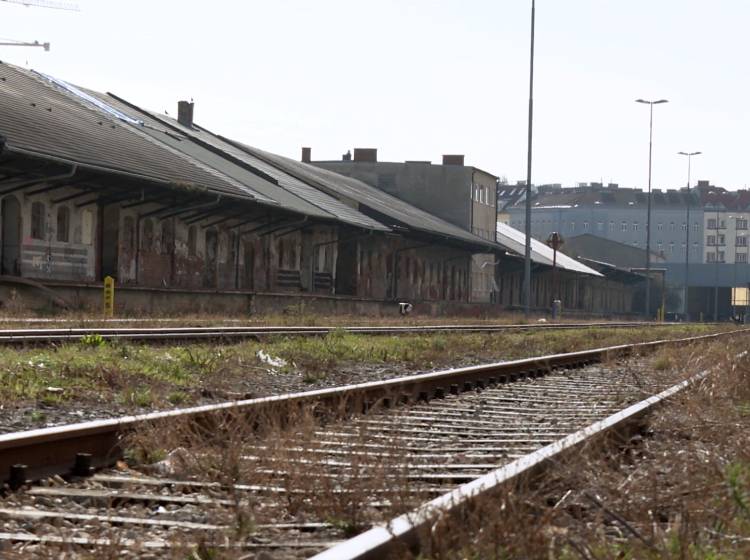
(93, 341)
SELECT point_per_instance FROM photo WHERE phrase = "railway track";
(297, 491)
(192, 334)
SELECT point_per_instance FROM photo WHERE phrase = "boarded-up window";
(63, 224)
(38, 220)
(167, 237)
(293, 253)
(147, 243)
(87, 227)
(322, 254)
(128, 233)
(233, 248)
(192, 241)
(212, 252)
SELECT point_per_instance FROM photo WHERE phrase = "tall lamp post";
(527, 251)
(648, 211)
(687, 235)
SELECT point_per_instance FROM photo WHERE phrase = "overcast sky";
(418, 78)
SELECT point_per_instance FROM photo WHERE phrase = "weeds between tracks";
(680, 489)
(141, 376)
(255, 450)
(273, 451)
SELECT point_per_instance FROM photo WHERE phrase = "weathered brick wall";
(57, 240)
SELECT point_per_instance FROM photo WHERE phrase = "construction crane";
(12, 43)
(51, 4)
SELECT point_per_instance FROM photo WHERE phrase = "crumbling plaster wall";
(171, 252)
(47, 251)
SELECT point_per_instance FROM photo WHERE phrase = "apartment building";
(703, 231)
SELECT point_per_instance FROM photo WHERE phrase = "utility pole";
(527, 252)
(648, 205)
(685, 308)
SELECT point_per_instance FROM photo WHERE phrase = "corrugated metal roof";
(39, 117)
(326, 203)
(153, 126)
(540, 253)
(46, 116)
(402, 213)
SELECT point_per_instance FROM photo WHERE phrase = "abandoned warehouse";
(93, 186)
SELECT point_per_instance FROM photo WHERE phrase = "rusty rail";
(380, 541)
(171, 334)
(34, 454)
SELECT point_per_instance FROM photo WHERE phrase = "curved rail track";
(192, 334)
(455, 428)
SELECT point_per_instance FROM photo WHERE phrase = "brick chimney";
(185, 113)
(306, 155)
(454, 159)
(366, 154)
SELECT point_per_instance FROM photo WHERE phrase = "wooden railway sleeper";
(83, 465)
(19, 476)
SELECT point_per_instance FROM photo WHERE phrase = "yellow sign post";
(109, 296)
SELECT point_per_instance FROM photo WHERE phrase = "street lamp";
(648, 211)
(687, 233)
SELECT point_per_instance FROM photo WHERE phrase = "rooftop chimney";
(454, 159)
(185, 113)
(366, 154)
(306, 155)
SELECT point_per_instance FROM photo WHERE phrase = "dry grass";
(272, 449)
(678, 489)
(136, 375)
